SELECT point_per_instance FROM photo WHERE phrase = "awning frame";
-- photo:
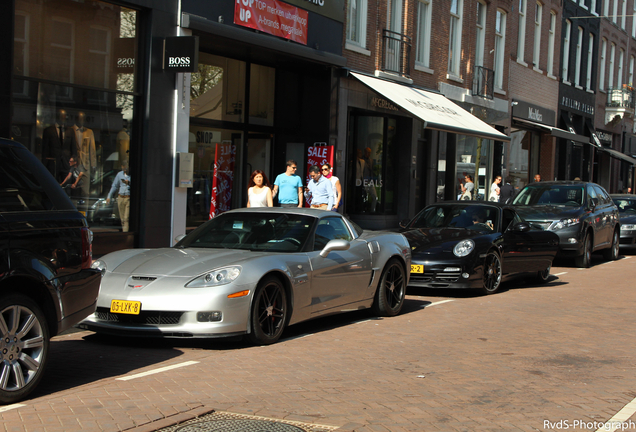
(555, 131)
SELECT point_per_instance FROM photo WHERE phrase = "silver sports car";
(252, 271)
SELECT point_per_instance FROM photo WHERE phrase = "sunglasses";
(294, 167)
(325, 169)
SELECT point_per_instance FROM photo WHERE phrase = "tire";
(492, 274)
(389, 297)
(269, 312)
(544, 275)
(584, 260)
(611, 254)
(24, 347)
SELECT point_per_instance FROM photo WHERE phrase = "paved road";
(531, 358)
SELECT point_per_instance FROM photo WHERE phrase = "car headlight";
(463, 248)
(214, 278)
(628, 227)
(99, 265)
(564, 223)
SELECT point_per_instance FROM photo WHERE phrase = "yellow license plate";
(125, 307)
(417, 268)
(83, 213)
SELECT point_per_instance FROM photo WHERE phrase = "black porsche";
(475, 245)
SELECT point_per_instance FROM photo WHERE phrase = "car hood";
(628, 219)
(437, 240)
(547, 212)
(173, 262)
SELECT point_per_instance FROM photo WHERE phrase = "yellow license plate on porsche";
(417, 268)
(125, 307)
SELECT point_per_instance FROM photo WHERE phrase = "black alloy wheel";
(269, 312)
(544, 275)
(611, 254)
(23, 349)
(492, 273)
(389, 297)
(585, 260)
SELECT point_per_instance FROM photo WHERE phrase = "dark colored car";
(47, 284)
(463, 244)
(626, 204)
(581, 213)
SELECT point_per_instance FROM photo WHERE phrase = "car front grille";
(145, 317)
(438, 278)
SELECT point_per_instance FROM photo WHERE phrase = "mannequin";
(85, 144)
(57, 146)
(123, 142)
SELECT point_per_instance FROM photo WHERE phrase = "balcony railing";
(396, 55)
(620, 98)
(483, 82)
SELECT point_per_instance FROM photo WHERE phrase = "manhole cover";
(239, 425)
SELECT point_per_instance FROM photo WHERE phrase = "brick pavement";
(504, 362)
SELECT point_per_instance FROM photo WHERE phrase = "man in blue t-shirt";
(290, 186)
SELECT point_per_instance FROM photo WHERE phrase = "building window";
(481, 34)
(357, 23)
(521, 39)
(394, 15)
(551, 42)
(631, 71)
(566, 50)
(606, 8)
(455, 37)
(601, 77)
(99, 56)
(582, 4)
(422, 55)
(621, 58)
(538, 17)
(624, 14)
(60, 55)
(590, 51)
(500, 43)
(634, 21)
(578, 59)
(610, 82)
(593, 7)
(615, 12)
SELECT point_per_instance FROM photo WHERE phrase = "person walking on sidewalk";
(290, 187)
(319, 189)
(121, 188)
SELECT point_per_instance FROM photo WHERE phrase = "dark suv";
(581, 213)
(47, 284)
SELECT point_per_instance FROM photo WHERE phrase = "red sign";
(318, 155)
(273, 17)
(224, 157)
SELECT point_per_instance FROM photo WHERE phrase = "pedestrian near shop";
(121, 189)
(319, 190)
(507, 192)
(335, 183)
(467, 188)
(495, 190)
(289, 187)
(259, 193)
(537, 178)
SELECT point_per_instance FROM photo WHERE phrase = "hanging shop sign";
(274, 17)
(224, 158)
(527, 111)
(181, 54)
(318, 155)
(125, 54)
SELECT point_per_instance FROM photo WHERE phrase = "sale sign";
(224, 158)
(274, 17)
(318, 155)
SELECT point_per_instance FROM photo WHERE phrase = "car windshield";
(470, 216)
(625, 205)
(274, 232)
(563, 195)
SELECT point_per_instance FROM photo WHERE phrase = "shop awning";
(619, 155)
(434, 109)
(594, 140)
(555, 131)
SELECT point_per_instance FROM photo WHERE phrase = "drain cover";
(239, 425)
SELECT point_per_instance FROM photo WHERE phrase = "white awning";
(619, 155)
(434, 109)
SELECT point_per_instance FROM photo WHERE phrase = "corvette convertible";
(252, 272)
(475, 245)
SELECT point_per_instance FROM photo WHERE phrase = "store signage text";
(125, 62)
(577, 105)
(181, 54)
(605, 137)
(274, 17)
(383, 103)
(433, 107)
(535, 114)
(334, 9)
(369, 182)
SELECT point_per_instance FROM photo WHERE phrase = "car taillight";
(87, 248)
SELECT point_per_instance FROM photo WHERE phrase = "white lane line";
(620, 418)
(436, 303)
(560, 274)
(155, 371)
(10, 407)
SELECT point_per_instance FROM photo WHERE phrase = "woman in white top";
(495, 190)
(337, 187)
(259, 192)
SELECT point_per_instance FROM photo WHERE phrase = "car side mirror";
(594, 203)
(335, 245)
(521, 227)
(404, 223)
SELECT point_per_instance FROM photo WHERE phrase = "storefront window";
(372, 190)
(474, 153)
(217, 91)
(262, 85)
(81, 119)
(516, 158)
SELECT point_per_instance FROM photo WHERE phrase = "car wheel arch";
(36, 291)
(287, 285)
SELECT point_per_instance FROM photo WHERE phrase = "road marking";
(560, 274)
(436, 303)
(10, 407)
(155, 371)
(620, 418)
